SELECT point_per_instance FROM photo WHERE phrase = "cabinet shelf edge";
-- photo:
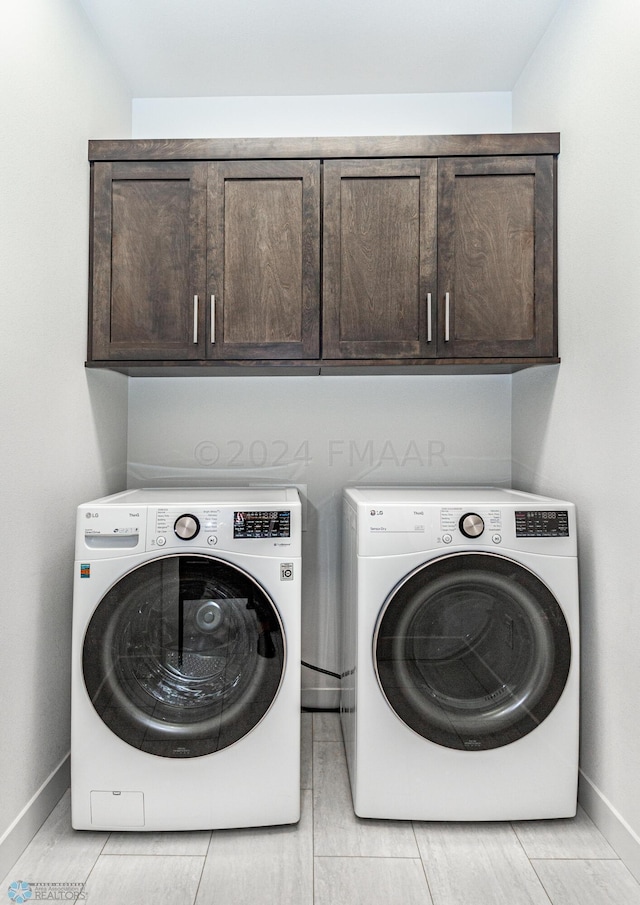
(504, 143)
(314, 368)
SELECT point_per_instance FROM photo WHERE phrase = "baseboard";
(611, 824)
(321, 698)
(18, 836)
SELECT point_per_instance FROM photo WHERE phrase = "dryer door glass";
(472, 651)
(184, 656)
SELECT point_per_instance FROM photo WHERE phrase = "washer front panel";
(472, 651)
(184, 656)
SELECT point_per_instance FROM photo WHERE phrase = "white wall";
(576, 429)
(63, 431)
(320, 432)
(344, 114)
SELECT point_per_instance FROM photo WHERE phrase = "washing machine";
(460, 667)
(185, 706)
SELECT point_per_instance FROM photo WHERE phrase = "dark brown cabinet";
(496, 257)
(379, 258)
(148, 261)
(199, 261)
(450, 258)
(324, 254)
(264, 259)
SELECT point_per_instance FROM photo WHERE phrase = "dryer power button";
(471, 525)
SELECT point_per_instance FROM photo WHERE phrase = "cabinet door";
(496, 257)
(148, 260)
(264, 259)
(379, 260)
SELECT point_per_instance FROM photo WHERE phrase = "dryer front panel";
(184, 656)
(472, 651)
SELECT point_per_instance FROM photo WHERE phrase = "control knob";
(186, 527)
(471, 524)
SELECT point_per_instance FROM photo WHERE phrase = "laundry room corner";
(578, 429)
(63, 436)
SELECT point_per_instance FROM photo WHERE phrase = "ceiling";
(210, 48)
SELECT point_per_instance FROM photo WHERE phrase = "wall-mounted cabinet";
(206, 261)
(496, 257)
(379, 258)
(148, 261)
(421, 253)
(263, 259)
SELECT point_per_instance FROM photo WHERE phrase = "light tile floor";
(331, 857)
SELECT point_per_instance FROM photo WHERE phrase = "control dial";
(186, 527)
(471, 524)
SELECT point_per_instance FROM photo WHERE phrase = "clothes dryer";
(460, 692)
(185, 708)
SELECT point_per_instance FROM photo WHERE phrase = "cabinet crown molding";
(516, 143)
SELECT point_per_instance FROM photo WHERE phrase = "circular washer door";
(472, 651)
(184, 656)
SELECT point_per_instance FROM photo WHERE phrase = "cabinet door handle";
(195, 319)
(429, 335)
(447, 306)
(213, 319)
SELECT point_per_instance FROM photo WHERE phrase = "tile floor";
(331, 857)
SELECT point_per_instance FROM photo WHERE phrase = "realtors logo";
(20, 892)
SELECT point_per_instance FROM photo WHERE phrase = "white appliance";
(185, 709)
(460, 654)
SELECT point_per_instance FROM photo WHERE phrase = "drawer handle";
(429, 335)
(195, 319)
(213, 319)
(447, 306)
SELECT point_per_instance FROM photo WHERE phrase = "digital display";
(262, 524)
(542, 523)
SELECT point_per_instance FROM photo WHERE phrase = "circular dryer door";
(183, 656)
(472, 651)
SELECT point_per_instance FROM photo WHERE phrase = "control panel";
(221, 527)
(262, 524)
(255, 522)
(542, 523)
(458, 524)
(492, 524)
(171, 528)
(386, 526)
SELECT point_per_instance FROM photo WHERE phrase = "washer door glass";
(184, 656)
(472, 651)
